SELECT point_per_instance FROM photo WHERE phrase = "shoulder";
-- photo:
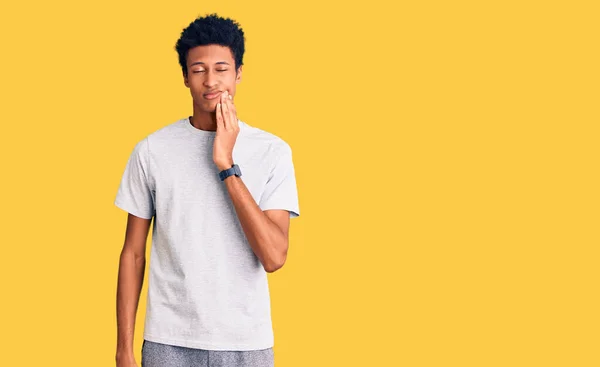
(273, 145)
(174, 128)
(161, 136)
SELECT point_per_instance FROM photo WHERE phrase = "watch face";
(237, 170)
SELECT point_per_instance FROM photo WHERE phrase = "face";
(211, 69)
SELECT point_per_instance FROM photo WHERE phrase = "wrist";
(234, 170)
(124, 355)
(224, 165)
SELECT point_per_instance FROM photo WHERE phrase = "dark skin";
(132, 264)
(210, 68)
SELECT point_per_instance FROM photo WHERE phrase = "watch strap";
(234, 170)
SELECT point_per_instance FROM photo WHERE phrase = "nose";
(210, 80)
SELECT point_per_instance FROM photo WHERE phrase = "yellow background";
(446, 156)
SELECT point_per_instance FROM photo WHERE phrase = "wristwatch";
(234, 170)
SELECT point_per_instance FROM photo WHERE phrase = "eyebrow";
(200, 62)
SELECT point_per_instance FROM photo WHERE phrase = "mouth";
(212, 95)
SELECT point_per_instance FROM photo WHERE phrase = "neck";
(204, 120)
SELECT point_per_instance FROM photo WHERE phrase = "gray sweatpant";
(164, 355)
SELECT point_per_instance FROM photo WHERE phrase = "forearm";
(265, 237)
(131, 277)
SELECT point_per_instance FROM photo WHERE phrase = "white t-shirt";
(206, 289)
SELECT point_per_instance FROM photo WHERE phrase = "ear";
(186, 81)
(238, 77)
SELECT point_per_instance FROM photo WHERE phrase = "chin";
(207, 106)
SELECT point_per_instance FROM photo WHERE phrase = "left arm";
(266, 231)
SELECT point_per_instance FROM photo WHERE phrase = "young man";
(222, 193)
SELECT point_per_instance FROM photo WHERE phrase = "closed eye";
(202, 71)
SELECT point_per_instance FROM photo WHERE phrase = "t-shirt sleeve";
(280, 191)
(135, 195)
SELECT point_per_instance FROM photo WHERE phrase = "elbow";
(273, 267)
(275, 264)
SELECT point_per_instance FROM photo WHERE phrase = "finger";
(226, 116)
(220, 125)
(232, 114)
(232, 111)
(236, 123)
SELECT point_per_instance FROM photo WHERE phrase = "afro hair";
(207, 30)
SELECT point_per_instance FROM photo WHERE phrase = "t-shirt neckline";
(206, 133)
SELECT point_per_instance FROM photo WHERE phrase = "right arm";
(132, 265)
